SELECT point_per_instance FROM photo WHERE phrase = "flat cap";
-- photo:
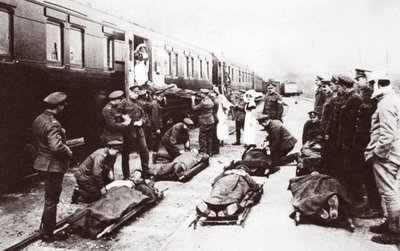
(134, 87)
(242, 90)
(361, 73)
(334, 78)
(116, 94)
(313, 112)
(188, 121)
(271, 83)
(55, 98)
(114, 143)
(262, 117)
(205, 91)
(142, 92)
(345, 81)
(325, 82)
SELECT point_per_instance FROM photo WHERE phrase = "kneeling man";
(95, 172)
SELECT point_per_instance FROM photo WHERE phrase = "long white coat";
(222, 115)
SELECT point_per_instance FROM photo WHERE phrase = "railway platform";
(165, 227)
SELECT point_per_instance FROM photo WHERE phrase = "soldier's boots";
(333, 203)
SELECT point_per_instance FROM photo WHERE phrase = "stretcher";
(220, 215)
(183, 168)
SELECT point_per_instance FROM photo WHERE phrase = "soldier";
(176, 135)
(215, 142)
(205, 120)
(115, 122)
(238, 115)
(360, 141)
(273, 105)
(143, 100)
(156, 119)
(134, 134)
(332, 150)
(383, 151)
(319, 97)
(347, 128)
(361, 79)
(52, 160)
(329, 87)
(95, 172)
(279, 140)
(312, 130)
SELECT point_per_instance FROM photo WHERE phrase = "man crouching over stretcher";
(95, 172)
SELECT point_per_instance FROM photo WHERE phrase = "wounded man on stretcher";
(124, 199)
(233, 193)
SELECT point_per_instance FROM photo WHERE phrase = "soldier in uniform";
(347, 128)
(134, 135)
(95, 172)
(280, 141)
(361, 79)
(156, 119)
(176, 135)
(330, 89)
(238, 115)
(319, 97)
(206, 121)
(312, 130)
(115, 122)
(273, 105)
(332, 153)
(52, 159)
(360, 141)
(143, 100)
(215, 142)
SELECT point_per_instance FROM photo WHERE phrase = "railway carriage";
(59, 45)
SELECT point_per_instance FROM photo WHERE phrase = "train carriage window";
(119, 51)
(54, 43)
(168, 63)
(187, 71)
(76, 49)
(208, 70)
(192, 62)
(108, 53)
(174, 64)
(5, 34)
(201, 69)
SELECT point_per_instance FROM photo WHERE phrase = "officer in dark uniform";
(206, 121)
(95, 172)
(115, 122)
(312, 130)
(330, 89)
(176, 135)
(347, 128)
(134, 135)
(281, 141)
(156, 119)
(319, 97)
(360, 141)
(239, 114)
(215, 141)
(273, 105)
(361, 79)
(52, 159)
(332, 151)
(144, 101)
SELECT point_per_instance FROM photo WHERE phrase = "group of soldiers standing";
(358, 127)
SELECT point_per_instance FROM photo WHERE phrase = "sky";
(279, 39)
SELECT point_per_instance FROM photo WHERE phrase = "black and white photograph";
(200, 125)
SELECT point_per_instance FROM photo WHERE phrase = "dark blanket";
(310, 192)
(90, 221)
(182, 165)
(310, 158)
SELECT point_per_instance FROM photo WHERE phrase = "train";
(62, 45)
(286, 88)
